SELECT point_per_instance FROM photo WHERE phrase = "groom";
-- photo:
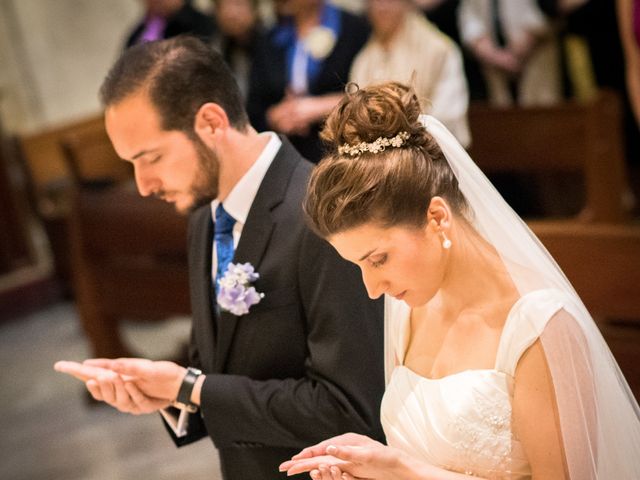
(305, 362)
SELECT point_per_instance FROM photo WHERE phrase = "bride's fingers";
(325, 472)
(352, 454)
(307, 465)
(336, 474)
(300, 466)
(306, 453)
(320, 448)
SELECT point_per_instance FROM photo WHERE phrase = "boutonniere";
(235, 292)
(319, 42)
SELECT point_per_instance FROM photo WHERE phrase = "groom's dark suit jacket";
(304, 364)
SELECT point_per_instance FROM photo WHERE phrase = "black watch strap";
(188, 382)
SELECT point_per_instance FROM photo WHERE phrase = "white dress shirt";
(239, 201)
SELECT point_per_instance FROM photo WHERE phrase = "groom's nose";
(147, 182)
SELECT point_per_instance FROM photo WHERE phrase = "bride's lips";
(399, 296)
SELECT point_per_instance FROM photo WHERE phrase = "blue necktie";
(223, 236)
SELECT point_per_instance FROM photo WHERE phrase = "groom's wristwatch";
(184, 394)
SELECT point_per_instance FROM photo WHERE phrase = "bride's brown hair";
(390, 187)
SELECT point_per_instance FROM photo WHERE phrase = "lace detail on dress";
(485, 445)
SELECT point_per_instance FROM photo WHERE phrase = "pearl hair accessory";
(377, 146)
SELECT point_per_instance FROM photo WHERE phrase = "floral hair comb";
(377, 146)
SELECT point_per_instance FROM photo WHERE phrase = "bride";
(494, 367)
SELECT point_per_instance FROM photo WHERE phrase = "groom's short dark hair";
(180, 75)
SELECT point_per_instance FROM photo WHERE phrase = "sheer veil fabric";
(598, 415)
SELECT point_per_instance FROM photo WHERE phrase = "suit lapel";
(253, 242)
(202, 293)
(256, 235)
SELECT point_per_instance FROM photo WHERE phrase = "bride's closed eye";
(378, 260)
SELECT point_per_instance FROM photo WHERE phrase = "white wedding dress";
(462, 422)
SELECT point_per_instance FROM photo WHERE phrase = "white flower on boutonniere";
(319, 42)
(235, 293)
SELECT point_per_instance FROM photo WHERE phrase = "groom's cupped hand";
(131, 385)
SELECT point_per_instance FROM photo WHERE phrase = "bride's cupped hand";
(355, 456)
(350, 439)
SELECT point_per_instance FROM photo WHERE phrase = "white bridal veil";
(599, 417)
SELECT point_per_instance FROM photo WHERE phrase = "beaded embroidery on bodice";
(462, 422)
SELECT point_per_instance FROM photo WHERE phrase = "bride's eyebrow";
(367, 254)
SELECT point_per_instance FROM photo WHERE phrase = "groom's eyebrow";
(142, 153)
(366, 255)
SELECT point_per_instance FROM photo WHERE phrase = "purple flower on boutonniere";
(235, 292)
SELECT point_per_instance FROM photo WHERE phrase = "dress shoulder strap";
(525, 323)
(396, 333)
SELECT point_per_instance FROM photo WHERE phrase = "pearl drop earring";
(446, 243)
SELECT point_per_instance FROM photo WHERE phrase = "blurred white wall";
(54, 55)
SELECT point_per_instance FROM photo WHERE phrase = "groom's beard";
(205, 186)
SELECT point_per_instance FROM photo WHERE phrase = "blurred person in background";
(596, 48)
(444, 15)
(298, 67)
(239, 26)
(518, 50)
(169, 18)
(407, 48)
(629, 26)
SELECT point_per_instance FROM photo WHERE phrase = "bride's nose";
(374, 284)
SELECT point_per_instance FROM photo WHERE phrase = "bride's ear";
(439, 214)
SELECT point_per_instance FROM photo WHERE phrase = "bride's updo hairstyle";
(391, 186)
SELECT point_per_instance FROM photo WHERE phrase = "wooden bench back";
(602, 261)
(47, 166)
(118, 222)
(570, 137)
(91, 157)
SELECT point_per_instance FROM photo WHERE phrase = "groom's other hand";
(156, 379)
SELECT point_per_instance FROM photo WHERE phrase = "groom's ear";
(439, 213)
(209, 121)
